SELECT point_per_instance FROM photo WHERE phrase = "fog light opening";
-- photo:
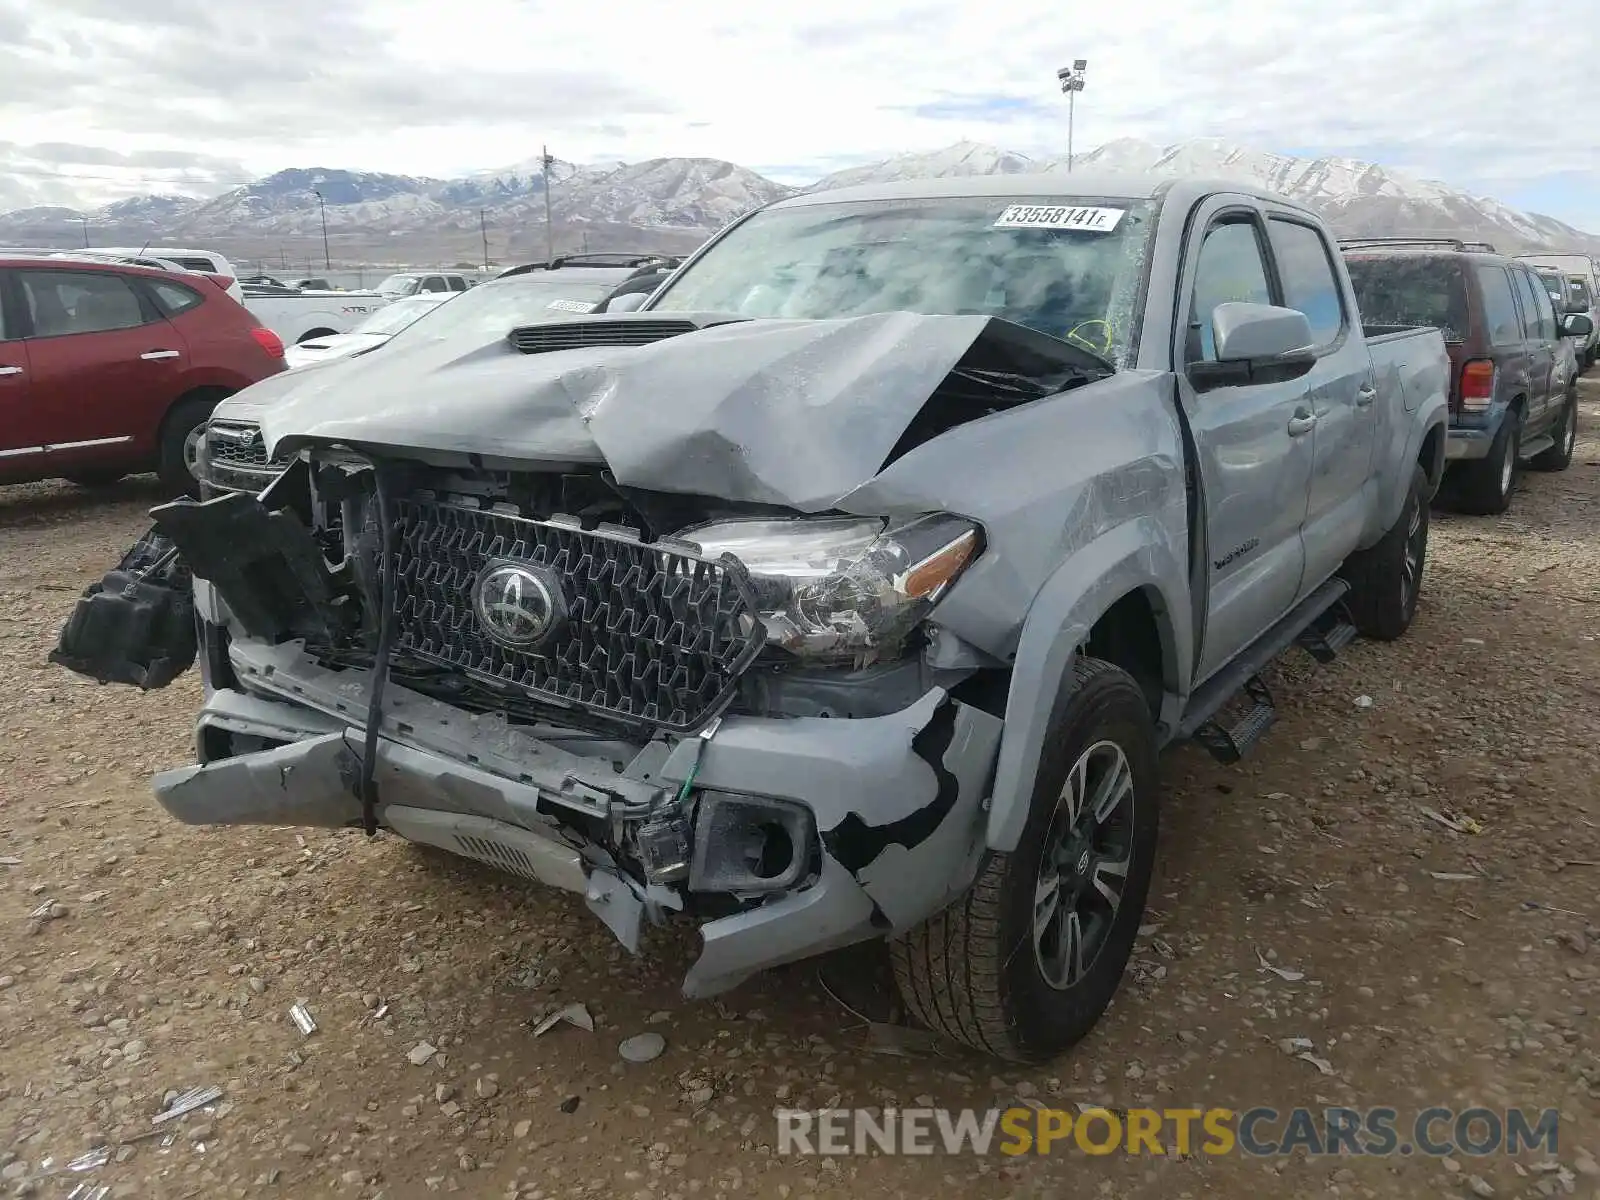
(775, 851)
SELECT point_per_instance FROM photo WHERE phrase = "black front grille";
(569, 335)
(653, 635)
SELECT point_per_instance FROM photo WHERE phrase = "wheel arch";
(1122, 597)
(215, 393)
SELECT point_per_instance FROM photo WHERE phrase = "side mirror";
(632, 302)
(1577, 324)
(1256, 343)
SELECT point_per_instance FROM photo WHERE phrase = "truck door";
(1342, 392)
(1255, 452)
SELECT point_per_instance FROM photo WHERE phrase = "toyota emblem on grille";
(518, 605)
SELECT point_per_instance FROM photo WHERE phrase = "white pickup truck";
(297, 315)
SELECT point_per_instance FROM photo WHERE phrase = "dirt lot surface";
(1424, 965)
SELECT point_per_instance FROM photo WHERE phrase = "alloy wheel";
(1083, 867)
(1411, 564)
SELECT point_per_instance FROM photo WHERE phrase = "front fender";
(1139, 555)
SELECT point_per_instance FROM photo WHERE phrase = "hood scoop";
(570, 335)
(619, 329)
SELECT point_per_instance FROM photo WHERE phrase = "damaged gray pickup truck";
(847, 590)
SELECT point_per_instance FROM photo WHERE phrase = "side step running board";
(1535, 446)
(1243, 674)
(1231, 744)
(1328, 634)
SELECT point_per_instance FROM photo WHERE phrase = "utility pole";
(483, 228)
(322, 205)
(85, 222)
(549, 228)
(1071, 80)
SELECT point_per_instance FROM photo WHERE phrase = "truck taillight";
(268, 341)
(1477, 385)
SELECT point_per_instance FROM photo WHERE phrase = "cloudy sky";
(105, 98)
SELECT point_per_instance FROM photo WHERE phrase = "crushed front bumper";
(896, 800)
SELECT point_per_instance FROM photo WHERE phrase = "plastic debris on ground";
(91, 1161)
(10, 860)
(572, 1014)
(1454, 824)
(1283, 973)
(421, 1053)
(90, 1191)
(303, 1020)
(902, 1041)
(192, 1099)
(642, 1047)
(1320, 1064)
(1363, 701)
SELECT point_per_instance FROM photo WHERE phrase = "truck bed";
(1411, 358)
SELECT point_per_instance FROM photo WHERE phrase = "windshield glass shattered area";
(1410, 290)
(1065, 266)
(492, 310)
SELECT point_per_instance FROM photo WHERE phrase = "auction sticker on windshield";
(580, 306)
(1059, 216)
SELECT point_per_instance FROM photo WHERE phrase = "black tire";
(1484, 487)
(173, 466)
(975, 972)
(1386, 579)
(1559, 456)
(98, 479)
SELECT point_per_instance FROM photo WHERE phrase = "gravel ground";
(171, 955)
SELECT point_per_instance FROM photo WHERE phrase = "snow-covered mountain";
(1357, 198)
(681, 198)
(964, 158)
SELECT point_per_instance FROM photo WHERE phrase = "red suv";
(106, 368)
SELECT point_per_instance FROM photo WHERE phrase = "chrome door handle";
(1365, 396)
(1302, 423)
(10, 370)
(155, 355)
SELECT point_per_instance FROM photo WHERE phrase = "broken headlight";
(844, 589)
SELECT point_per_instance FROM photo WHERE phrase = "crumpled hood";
(795, 413)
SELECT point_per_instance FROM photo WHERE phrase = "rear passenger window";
(457, 284)
(174, 298)
(1308, 280)
(64, 302)
(1230, 268)
(433, 284)
(1527, 299)
(1499, 309)
(1547, 313)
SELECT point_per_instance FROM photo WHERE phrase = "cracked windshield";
(955, 255)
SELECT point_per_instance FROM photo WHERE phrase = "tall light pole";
(1071, 80)
(549, 229)
(322, 206)
(483, 228)
(85, 222)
